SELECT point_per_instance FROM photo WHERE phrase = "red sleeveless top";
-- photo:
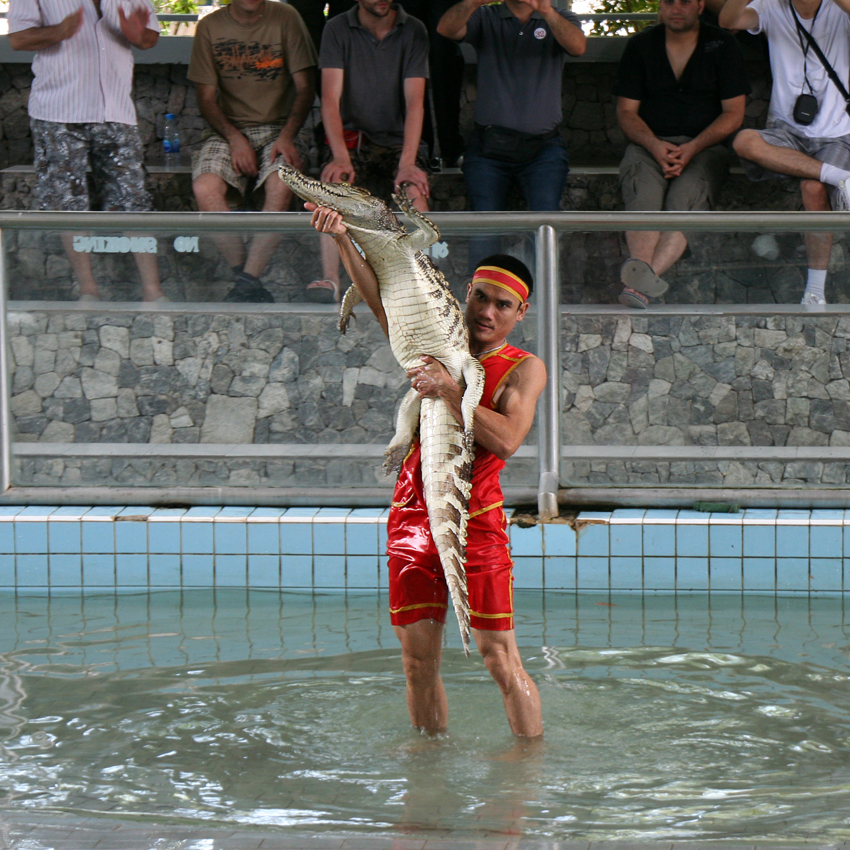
(486, 490)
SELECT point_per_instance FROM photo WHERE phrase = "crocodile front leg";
(426, 233)
(350, 300)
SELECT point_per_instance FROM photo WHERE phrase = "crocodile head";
(357, 207)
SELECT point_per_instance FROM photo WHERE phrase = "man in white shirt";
(796, 143)
(82, 113)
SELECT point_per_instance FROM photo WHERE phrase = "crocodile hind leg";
(426, 233)
(473, 375)
(350, 300)
(407, 421)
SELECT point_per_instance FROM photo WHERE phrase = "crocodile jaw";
(359, 208)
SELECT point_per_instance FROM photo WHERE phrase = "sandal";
(637, 275)
(633, 298)
(322, 292)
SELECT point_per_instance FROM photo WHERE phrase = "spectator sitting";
(808, 128)
(681, 88)
(253, 67)
(522, 46)
(374, 61)
(81, 112)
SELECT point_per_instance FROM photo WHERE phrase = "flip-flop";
(633, 298)
(322, 292)
(638, 275)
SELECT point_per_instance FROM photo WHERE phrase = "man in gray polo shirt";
(522, 46)
(374, 63)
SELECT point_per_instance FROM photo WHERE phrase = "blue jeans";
(541, 180)
(488, 181)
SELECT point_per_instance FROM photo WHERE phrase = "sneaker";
(812, 300)
(632, 298)
(765, 246)
(246, 293)
(637, 275)
(842, 197)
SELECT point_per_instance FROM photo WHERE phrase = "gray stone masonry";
(281, 379)
(705, 381)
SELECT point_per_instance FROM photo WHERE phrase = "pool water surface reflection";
(673, 718)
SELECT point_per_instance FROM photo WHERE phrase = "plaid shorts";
(376, 166)
(214, 156)
(114, 152)
(834, 151)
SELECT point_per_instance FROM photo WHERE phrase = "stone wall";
(278, 398)
(738, 382)
(322, 403)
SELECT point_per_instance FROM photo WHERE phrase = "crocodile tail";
(456, 581)
(447, 476)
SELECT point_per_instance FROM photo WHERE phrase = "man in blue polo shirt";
(522, 46)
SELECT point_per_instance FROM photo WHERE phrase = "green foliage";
(602, 7)
(174, 7)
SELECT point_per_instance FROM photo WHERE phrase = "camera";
(805, 109)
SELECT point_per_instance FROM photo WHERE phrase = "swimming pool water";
(689, 717)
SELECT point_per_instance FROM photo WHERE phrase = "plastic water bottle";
(171, 141)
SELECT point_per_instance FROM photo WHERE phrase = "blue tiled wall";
(759, 551)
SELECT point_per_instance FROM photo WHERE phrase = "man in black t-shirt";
(681, 90)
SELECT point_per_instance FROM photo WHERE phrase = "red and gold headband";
(503, 279)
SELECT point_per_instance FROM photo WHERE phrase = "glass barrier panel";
(195, 391)
(747, 267)
(726, 381)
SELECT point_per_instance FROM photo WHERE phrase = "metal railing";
(545, 226)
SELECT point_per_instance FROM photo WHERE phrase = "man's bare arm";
(736, 15)
(568, 35)
(40, 38)
(305, 92)
(453, 23)
(408, 170)
(340, 167)
(634, 127)
(502, 430)
(135, 28)
(361, 273)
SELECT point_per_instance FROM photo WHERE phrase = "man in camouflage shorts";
(76, 89)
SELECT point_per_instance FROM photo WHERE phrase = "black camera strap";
(802, 31)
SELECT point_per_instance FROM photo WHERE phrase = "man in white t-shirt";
(816, 148)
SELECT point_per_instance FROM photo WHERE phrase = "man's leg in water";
(522, 700)
(421, 653)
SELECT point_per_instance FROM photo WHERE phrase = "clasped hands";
(672, 158)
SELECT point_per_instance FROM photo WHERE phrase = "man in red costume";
(497, 298)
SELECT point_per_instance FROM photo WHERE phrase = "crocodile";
(424, 318)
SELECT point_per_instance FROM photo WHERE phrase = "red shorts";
(418, 591)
